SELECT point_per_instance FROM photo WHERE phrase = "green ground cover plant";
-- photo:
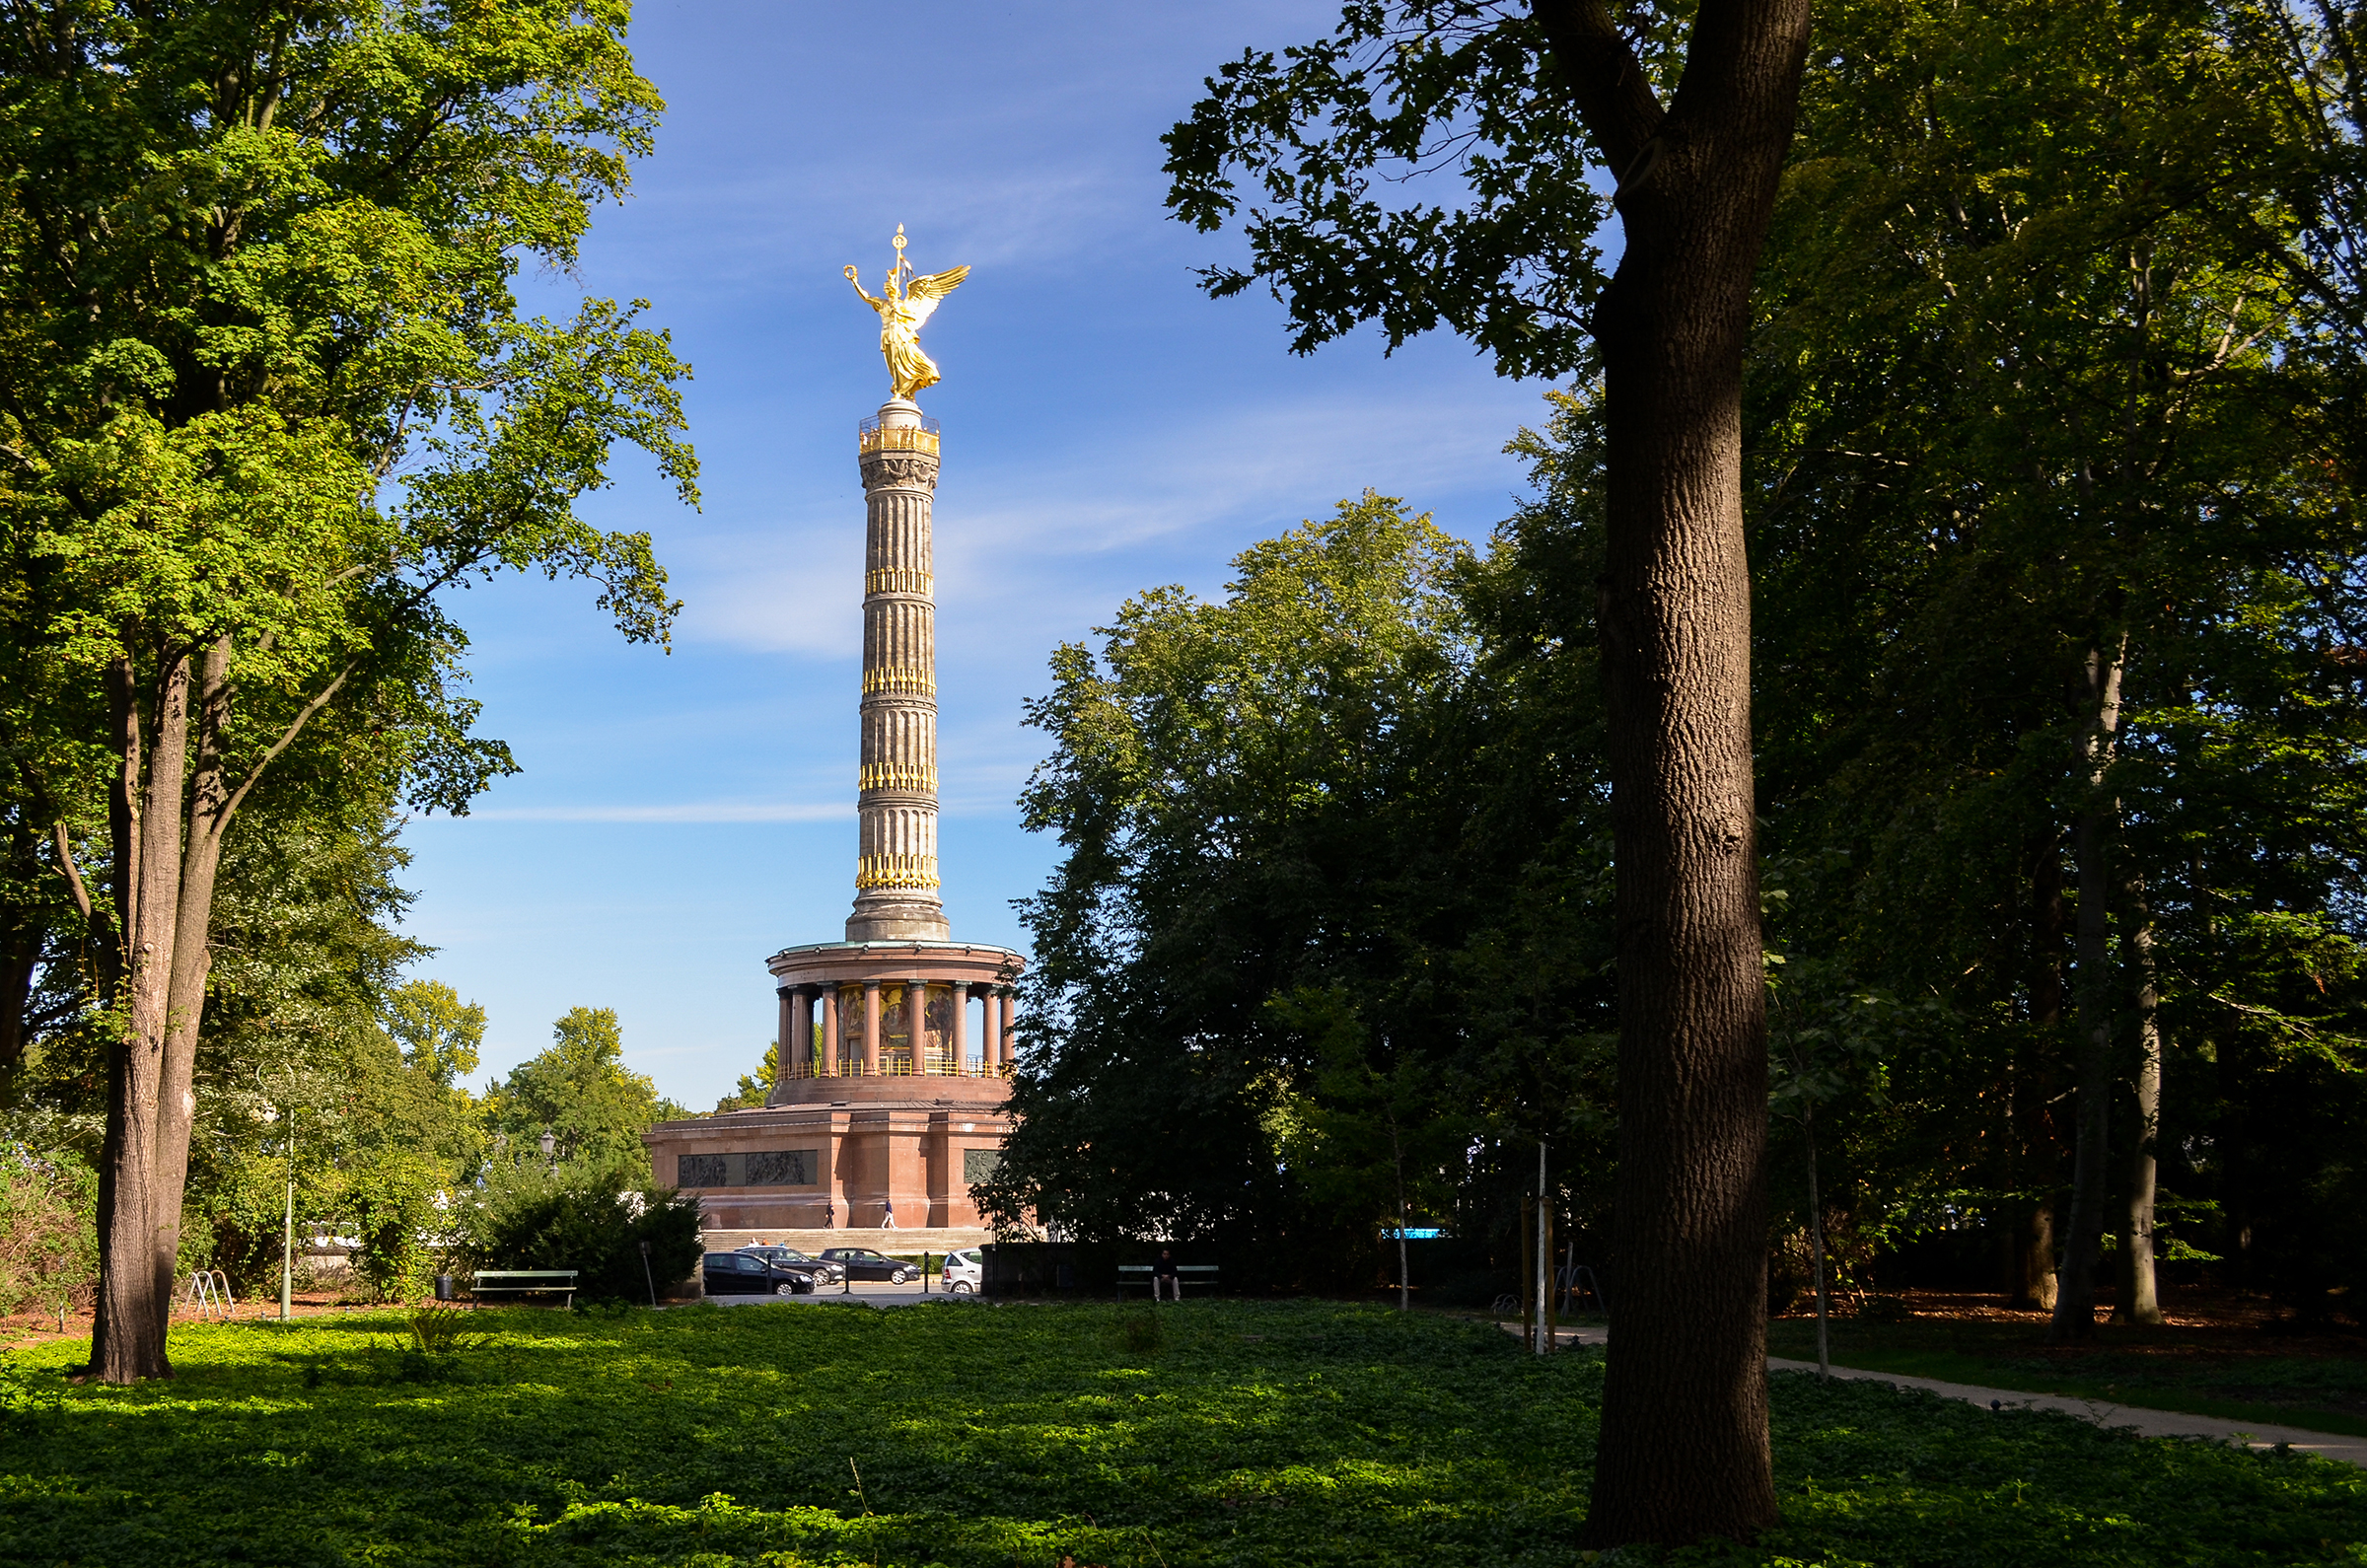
(2244, 1377)
(975, 1436)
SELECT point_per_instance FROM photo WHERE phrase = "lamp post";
(1543, 1332)
(287, 1236)
(548, 1143)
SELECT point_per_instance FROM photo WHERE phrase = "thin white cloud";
(682, 812)
(790, 589)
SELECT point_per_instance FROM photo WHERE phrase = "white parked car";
(964, 1272)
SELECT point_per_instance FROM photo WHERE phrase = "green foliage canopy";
(579, 1091)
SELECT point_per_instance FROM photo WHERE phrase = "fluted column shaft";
(896, 873)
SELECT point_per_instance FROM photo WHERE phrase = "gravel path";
(2152, 1423)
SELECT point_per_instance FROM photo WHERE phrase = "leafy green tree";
(2041, 476)
(1685, 114)
(1214, 772)
(579, 1091)
(270, 396)
(754, 1090)
(1333, 862)
(1374, 1143)
(438, 1033)
(300, 1055)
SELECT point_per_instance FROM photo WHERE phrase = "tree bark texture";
(22, 930)
(2140, 1299)
(135, 1291)
(2032, 1145)
(1684, 1450)
(209, 806)
(2035, 1240)
(1816, 1238)
(173, 804)
(2075, 1297)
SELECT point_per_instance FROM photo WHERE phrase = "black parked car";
(803, 1262)
(861, 1263)
(738, 1275)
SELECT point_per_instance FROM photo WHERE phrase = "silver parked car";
(964, 1272)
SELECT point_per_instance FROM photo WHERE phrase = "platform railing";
(872, 437)
(891, 1068)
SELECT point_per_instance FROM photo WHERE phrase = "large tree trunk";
(152, 1085)
(193, 953)
(2037, 1287)
(123, 841)
(2140, 1299)
(2075, 1299)
(1683, 1446)
(135, 1289)
(22, 931)
(2033, 1146)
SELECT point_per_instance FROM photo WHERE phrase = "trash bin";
(444, 1290)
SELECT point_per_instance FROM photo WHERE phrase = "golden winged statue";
(909, 301)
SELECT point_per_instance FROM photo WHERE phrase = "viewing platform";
(873, 435)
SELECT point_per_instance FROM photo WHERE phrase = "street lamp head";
(548, 1143)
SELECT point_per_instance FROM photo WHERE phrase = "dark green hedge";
(591, 1221)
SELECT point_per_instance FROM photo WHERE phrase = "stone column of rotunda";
(895, 872)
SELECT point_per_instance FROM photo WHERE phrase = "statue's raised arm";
(908, 301)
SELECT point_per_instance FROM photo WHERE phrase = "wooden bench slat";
(525, 1273)
(522, 1281)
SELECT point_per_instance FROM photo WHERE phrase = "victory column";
(885, 1106)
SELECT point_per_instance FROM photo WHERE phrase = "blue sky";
(1106, 429)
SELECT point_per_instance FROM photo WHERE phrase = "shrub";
(48, 1234)
(390, 1203)
(591, 1221)
(442, 1331)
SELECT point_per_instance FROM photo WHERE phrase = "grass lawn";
(1264, 1434)
(2238, 1373)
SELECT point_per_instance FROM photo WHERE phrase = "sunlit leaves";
(1340, 137)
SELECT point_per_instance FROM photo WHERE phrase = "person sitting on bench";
(1163, 1277)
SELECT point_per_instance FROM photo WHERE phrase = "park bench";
(523, 1282)
(1203, 1274)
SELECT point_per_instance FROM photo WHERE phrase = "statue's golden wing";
(922, 294)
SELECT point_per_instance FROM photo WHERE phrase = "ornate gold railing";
(896, 871)
(901, 678)
(903, 1069)
(873, 437)
(897, 580)
(895, 776)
